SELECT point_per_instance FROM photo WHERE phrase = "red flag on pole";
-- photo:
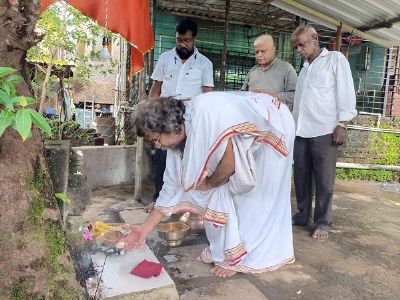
(129, 18)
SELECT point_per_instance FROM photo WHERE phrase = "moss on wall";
(58, 277)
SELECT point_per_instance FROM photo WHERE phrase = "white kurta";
(248, 219)
(324, 95)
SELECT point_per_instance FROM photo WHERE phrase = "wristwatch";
(343, 125)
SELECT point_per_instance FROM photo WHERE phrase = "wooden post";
(139, 140)
(339, 37)
(224, 50)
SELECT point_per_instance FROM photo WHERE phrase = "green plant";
(14, 110)
(63, 197)
(70, 130)
(387, 147)
(67, 204)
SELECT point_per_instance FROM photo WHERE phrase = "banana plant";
(14, 109)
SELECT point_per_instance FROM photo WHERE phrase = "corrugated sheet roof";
(279, 15)
(379, 19)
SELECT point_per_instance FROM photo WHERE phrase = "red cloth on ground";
(147, 269)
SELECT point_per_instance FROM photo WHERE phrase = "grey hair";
(304, 29)
(264, 38)
(161, 115)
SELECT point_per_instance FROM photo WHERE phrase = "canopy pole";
(339, 37)
(139, 140)
(224, 49)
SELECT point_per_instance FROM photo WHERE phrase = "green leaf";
(4, 71)
(23, 123)
(63, 197)
(9, 89)
(5, 100)
(14, 79)
(23, 101)
(6, 118)
(40, 121)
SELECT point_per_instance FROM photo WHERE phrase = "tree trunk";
(33, 260)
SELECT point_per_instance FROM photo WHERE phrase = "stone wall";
(111, 165)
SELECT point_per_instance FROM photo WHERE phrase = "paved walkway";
(361, 259)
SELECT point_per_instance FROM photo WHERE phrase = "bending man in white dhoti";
(229, 159)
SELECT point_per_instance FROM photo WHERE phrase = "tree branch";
(46, 81)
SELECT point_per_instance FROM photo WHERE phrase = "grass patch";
(374, 175)
(18, 292)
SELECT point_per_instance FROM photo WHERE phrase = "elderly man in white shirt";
(324, 102)
(182, 73)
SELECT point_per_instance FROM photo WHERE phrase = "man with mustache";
(182, 73)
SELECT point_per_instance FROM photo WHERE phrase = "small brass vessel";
(172, 233)
(195, 222)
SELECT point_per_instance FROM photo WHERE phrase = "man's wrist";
(342, 124)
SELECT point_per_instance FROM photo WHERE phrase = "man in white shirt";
(183, 73)
(324, 102)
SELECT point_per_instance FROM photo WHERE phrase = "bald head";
(265, 49)
(264, 39)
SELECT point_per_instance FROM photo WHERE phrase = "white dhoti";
(248, 219)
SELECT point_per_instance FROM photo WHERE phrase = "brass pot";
(172, 233)
(195, 222)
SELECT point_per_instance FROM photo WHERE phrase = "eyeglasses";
(156, 141)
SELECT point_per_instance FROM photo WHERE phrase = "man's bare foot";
(205, 256)
(149, 207)
(222, 272)
(200, 259)
(320, 234)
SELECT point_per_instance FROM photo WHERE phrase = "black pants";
(158, 168)
(314, 158)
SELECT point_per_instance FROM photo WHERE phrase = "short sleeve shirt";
(183, 80)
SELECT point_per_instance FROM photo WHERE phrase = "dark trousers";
(314, 158)
(158, 168)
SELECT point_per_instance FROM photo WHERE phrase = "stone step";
(117, 283)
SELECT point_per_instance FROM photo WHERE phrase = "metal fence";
(375, 69)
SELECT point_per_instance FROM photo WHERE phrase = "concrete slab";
(359, 260)
(134, 215)
(118, 283)
(234, 289)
